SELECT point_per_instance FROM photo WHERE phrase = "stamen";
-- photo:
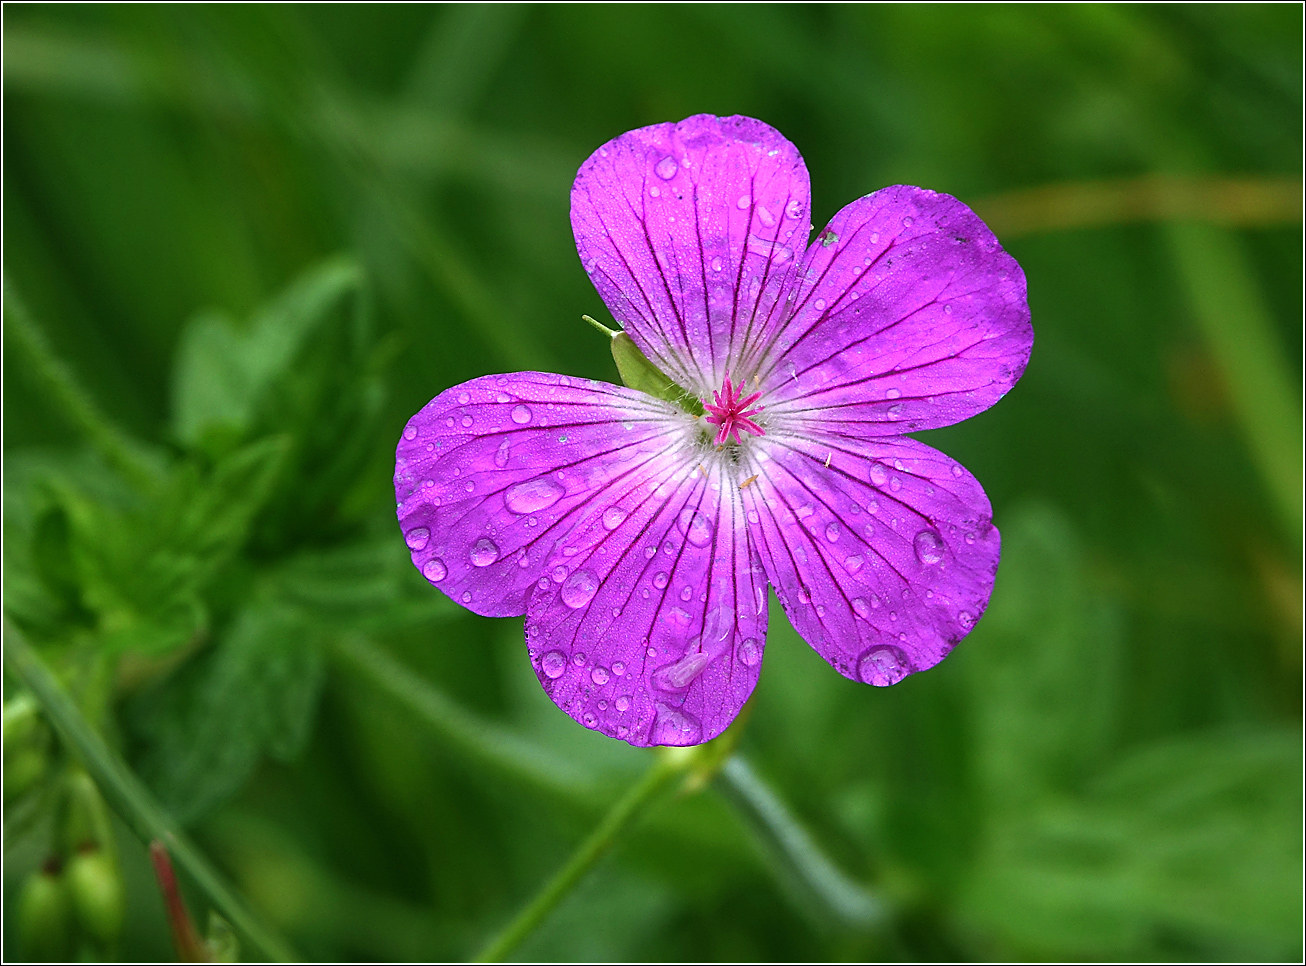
(746, 482)
(730, 410)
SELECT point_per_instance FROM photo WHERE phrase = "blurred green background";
(260, 238)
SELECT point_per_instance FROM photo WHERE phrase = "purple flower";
(639, 539)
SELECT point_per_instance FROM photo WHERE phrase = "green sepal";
(638, 373)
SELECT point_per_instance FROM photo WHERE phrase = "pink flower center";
(730, 410)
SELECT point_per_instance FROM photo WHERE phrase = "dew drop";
(970, 537)
(553, 663)
(794, 209)
(749, 652)
(743, 202)
(655, 191)
(765, 217)
(501, 455)
(660, 579)
(680, 675)
(417, 538)
(435, 569)
(623, 703)
(410, 432)
(599, 675)
(578, 659)
(832, 532)
(883, 665)
(907, 222)
(579, 589)
(860, 608)
(521, 415)
(588, 720)
(533, 495)
(965, 619)
(484, 552)
(666, 168)
(696, 527)
(892, 394)
(895, 484)
(928, 547)
(716, 264)
(467, 597)
(618, 668)
(819, 305)
(957, 470)
(674, 726)
(614, 515)
(853, 564)
(878, 474)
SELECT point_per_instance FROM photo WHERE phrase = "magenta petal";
(883, 551)
(650, 620)
(690, 232)
(906, 315)
(491, 472)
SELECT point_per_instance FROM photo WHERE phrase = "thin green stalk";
(478, 740)
(1231, 313)
(617, 821)
(800, 866)
(64, 390)
(129, 798)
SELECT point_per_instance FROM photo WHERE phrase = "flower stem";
(617, 821)
(814, 881)
(64, 390)
(478, 740)
(128, 797)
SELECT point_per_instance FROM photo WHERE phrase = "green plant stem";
(1227, 305)
(802, 869)
(129, 798)
(617, 821)
(63, 389)
(477, 740)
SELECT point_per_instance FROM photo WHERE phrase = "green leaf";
(1190, 848)
(205, 729)
(224, 375)
(637, 372)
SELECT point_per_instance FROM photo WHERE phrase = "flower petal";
(882, 551)
(690, 232)
(650, 621)
(490, 473)
(906, 315)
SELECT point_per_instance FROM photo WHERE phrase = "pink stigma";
(729, 410)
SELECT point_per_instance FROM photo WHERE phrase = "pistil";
(730, 410)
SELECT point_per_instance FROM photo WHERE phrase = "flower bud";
(43, 924)
(96, 888)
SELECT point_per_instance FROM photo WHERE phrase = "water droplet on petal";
(749, 652)
(484, 552)
(521, 415)
(553, 664)
(501, 455)
(578, 659)
(743, 202)
(907, 222)
(623, 703)
(716, 264)
(599, 675)
(666, 168)
(588, 720)
(618, 668)
(883, 665)
(832, 532)
(892, 393)
(533, 495)
(794, 209)
(879, 474)
(860, 608)
(660, 580)
(965, 619)
(696, 527)
(579, 589)
(928, 546)
(410, 432)
(417, 538)
(853, 564)
(435, 569)
(765, 217)
(673, 726)
(655, 191)
(613, 517)
(957, 470)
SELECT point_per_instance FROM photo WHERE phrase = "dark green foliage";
(262, 236)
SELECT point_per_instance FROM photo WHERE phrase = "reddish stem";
(184, 937)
